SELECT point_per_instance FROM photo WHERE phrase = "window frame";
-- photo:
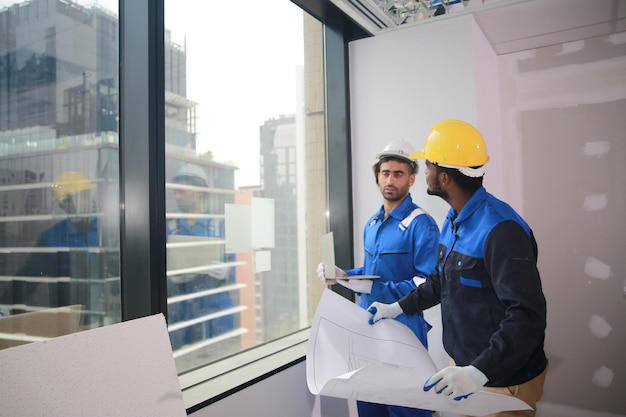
(142, 185)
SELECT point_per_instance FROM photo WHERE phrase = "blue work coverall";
(492, 305)
(397, 248)
(190, 309)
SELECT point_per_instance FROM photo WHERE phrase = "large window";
(245, 175)
(59, 170)
(170, 158)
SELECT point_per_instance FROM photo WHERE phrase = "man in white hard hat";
(191, 197)
(400, 244)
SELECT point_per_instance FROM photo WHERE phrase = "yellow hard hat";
(69, 182)
(456, 143)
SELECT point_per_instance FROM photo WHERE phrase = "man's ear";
(444, 178)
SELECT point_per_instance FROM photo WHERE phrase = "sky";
(241, 70)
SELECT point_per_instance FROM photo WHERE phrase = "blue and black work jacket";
(399, 247)
(70, 257)
(492, 304)
(67, 259)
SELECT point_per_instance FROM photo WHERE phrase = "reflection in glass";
(245, 177)
(244, 120)
(200, 275)
(59, 228)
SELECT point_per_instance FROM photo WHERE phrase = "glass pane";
(59, 213)
(245, 175)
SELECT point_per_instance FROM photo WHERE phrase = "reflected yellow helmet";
(456, 143)
(69, 182)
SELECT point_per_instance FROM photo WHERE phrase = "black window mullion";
(338, 149)
(142, 158)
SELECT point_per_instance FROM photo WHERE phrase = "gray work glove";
(458, 382)
(322, 275)
(220, 272)
(383, 311)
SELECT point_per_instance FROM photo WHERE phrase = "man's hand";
(321, 274)
(220, 272)
(458, 382)
(182, 278)
(383, 311)
(363, 286)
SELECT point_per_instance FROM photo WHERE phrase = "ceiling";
(509, 25)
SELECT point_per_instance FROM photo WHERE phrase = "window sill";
(216, 381)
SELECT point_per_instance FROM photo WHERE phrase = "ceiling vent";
(509, 25)
(381, 15)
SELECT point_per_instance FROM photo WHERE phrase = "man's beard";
(184, 206)
(394, 195)
(435, 189)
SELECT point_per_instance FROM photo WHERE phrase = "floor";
(555, 410)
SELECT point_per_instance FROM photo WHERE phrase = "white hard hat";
(192, 174)
(398, 149)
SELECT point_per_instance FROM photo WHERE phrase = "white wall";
(401, 84)
(285, 394)
(564, 109)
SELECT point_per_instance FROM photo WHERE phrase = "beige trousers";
(530, 392)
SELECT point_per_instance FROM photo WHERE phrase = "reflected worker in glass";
(492, 304)
(191, 203)
(400, 244)
(73, 192)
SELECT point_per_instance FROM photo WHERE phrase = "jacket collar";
(399, 212)
(469, 208)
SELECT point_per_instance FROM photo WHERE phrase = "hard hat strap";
(467, 171)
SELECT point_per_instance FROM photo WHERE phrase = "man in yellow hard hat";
(486, 279)
(73, 192)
